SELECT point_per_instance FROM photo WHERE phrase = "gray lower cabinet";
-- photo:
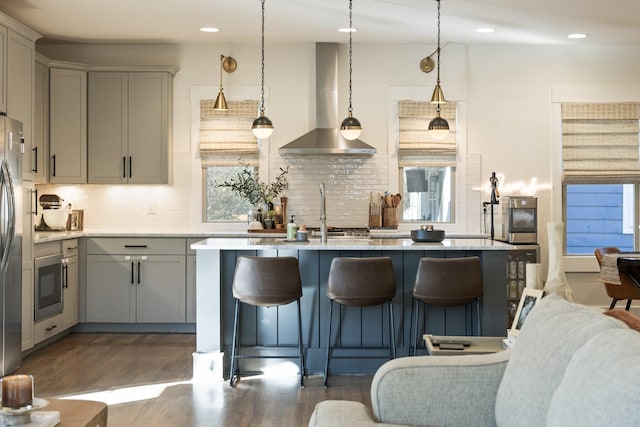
(140, 281)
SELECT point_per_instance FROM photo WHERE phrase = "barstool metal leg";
(232, 369)
(415, 332)
(300, 346)
(326, 363)
(628, 306)
(479, 317)
(392, 330)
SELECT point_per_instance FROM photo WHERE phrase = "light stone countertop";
(342, 243)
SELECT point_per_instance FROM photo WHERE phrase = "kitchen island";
(362, 330)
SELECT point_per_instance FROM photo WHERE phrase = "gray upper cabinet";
(3, 67)
(40, 145)
(129, 123)
(67, 126)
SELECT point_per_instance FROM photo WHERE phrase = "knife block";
(375, 215)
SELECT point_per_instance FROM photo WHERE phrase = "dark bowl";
(427, 235)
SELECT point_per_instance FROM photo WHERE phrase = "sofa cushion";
(343, 413)
(555, 329)
(601, 386)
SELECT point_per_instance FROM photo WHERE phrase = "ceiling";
(541, 22)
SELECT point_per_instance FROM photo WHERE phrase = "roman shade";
(600, 143)
(225, 136)
(415, 145)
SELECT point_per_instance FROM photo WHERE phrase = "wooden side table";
(79, 413)
(476, 345)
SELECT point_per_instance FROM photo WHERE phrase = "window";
(601, 175)
(427, 166)
(226, 146)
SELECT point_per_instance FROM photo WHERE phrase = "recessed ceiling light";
(209, 29)
(577, 36)
(485, 30)
(348, 30)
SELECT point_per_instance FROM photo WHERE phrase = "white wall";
(507, 90)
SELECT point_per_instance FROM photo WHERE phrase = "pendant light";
(229, 65)
(350, 127)
(438, 127)
(262, 126)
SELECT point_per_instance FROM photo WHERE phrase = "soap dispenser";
(292, 229)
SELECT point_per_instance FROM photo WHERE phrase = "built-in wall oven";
(48, 286)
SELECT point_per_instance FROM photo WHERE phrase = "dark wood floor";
(146, 380)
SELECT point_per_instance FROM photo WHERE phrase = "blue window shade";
(594, 218)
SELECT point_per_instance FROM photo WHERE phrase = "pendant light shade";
(262, 126)
(221, 102)
(438, 127)
(350, 128)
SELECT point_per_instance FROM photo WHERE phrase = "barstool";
(447, 282)
(361, 282)
(265, 282)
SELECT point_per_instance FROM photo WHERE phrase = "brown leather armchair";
(626, 290)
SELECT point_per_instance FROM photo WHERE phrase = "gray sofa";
(571, 366)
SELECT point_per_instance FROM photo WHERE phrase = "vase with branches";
(247, 185)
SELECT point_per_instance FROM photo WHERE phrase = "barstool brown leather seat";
(447, 282)
(625, 290)
(361, 282)
(265, 282)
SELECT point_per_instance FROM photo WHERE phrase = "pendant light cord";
(438, 59)
(262, 64)
(350, 52)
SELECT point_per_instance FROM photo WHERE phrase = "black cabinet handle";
(54, 165)
(132, 280)
(124, 166)
(35, 160)
(51, 328)
(65, 272)
(135, 246)
(138, 272)
(130, 166)
(35, 211)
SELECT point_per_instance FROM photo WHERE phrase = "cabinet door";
(20, 69)
(67, 126)
(39, 152)
(110, 289)
(107, 122)
(149, 127)
(70, 311)
(161, 291)
(3, 67)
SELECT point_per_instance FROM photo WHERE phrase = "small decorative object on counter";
(18, 400)
(292, 229)
(302, 235)
(427, 233)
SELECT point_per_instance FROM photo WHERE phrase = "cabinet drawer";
(70, 247)
(136, 245)
(47, 328)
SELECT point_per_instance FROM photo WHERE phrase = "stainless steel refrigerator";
(11, 148)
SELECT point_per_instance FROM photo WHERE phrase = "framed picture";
(75, 220)
(528, 299)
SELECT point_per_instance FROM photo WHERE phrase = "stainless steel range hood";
(326, 138)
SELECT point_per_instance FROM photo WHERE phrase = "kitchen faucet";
(323, 214)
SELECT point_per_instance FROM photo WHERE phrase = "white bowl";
(55, 218)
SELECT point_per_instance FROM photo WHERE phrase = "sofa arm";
(439, 390)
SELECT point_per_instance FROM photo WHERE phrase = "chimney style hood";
(326, 137)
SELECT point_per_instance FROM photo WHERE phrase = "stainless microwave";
(519, 220)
